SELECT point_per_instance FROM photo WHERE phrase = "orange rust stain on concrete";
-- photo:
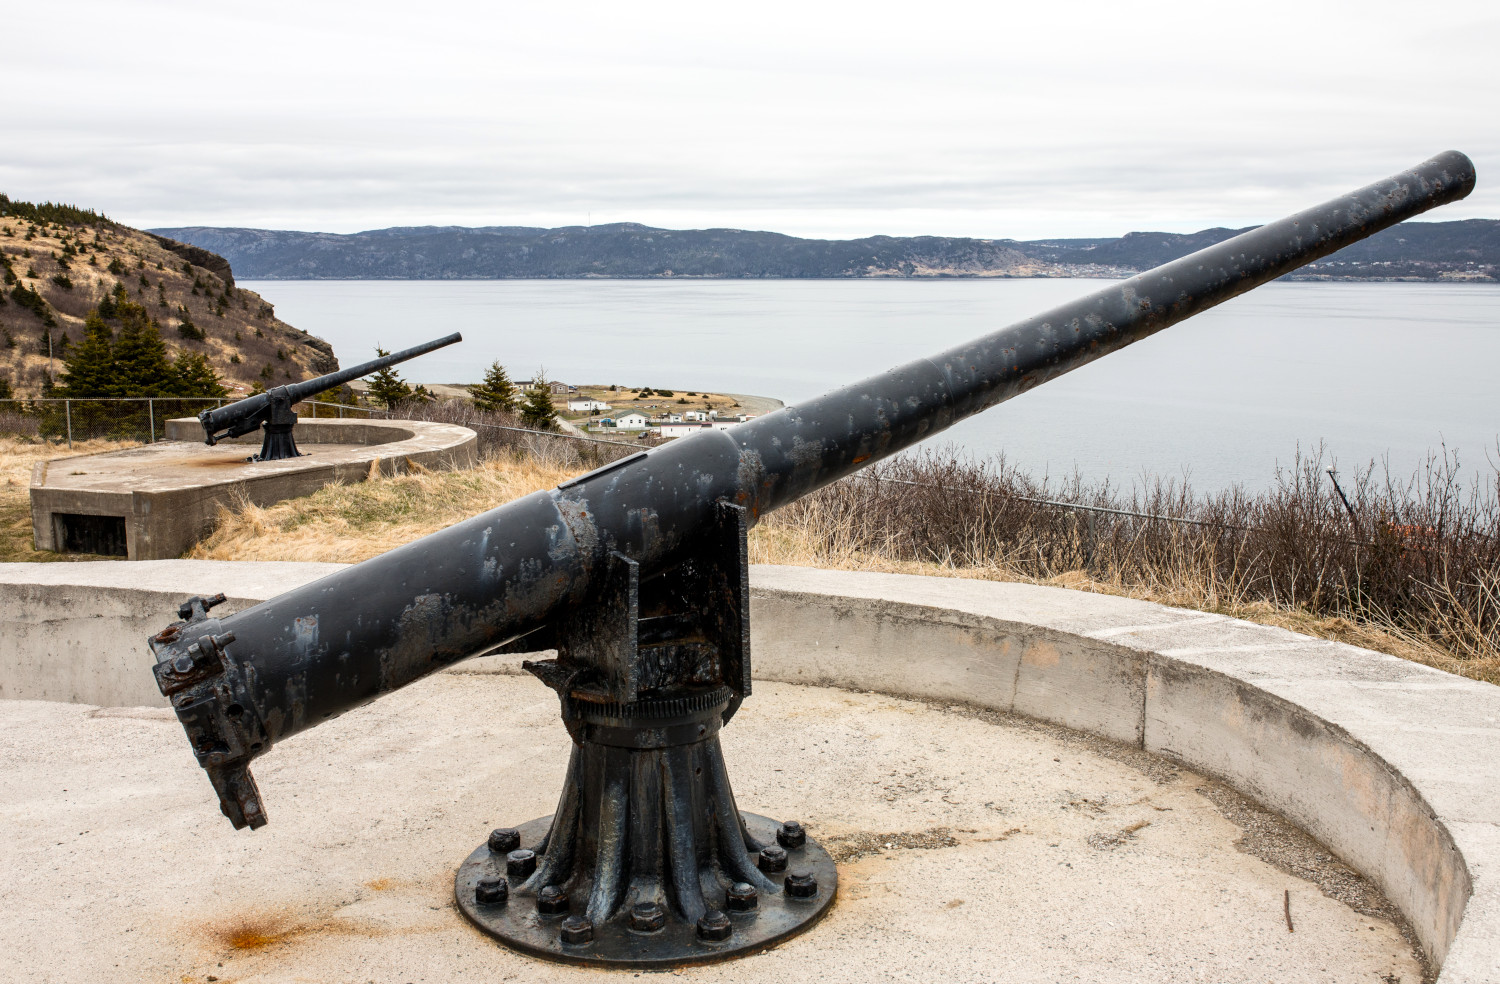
(381, 884)
(211, 461)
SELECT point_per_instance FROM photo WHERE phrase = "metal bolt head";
(520, 863)
(772, 858)
(552, 901)
(577, 930)
(791, 834)
(503, 840)
(491, 891)
(647, 917)
(714, 926)
(743, 897)
(801, 885)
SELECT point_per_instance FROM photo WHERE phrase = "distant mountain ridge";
(1466, 250)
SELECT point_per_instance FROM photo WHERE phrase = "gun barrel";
(226, 417)
(311, 387)
(339, 642)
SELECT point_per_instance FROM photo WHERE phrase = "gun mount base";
(278, 444)
(647, 864)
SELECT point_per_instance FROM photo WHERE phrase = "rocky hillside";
(1467, 250)
(58, 262)
(620, 250)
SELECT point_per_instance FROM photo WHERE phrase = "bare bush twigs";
(1419, 561)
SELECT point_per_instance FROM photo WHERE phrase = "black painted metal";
(273, 408)
(636, 573)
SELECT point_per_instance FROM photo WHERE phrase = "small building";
(587, 406)
(682, 428)
(694, 415)
(631, 421)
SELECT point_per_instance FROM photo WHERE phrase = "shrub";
(116, 267)
(62, 280)
(190, 331)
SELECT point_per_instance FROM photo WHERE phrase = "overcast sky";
(839, 120)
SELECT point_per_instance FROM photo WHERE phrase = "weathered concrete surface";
(118, 867)
(1394, 766)
(168, 494)
(77, 632)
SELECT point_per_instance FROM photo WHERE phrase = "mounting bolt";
(743, 897)
(577, 930)
(520, 863)
(553, 901)
(647, 917)
(714, 926)
(503, 840)
(801, 885)
(772, 858)
(791, 834)
(491, 891)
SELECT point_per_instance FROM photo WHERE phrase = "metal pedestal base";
(518, 924)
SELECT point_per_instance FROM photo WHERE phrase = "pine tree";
(387, 386)
(537, 411)
(141, 364)
(91, 369)
(193, 376)
(497, 394)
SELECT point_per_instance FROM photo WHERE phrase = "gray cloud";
(960, 119)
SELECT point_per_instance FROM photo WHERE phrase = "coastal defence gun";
(636, 574)
(273, 408)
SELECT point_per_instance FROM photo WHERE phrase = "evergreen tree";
(497, 394)
(387, 386)
(193, 376)
(536, 410)
(141, 364)
(90, 371)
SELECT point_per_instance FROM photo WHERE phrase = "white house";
(682, 428)
(694, 415)
(586, 406)
(631, 421)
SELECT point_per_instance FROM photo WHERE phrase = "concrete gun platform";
(1393, 769)
(972, 850)
(155, 501)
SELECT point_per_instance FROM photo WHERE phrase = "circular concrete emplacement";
(971, 848)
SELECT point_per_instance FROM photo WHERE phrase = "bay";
(1384, 372)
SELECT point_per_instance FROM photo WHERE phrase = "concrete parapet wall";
(1394, 766)
(310, 430)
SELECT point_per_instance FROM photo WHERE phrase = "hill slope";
(61, 261)
(620, 250)
(1415, 250)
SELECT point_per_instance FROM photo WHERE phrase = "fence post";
(68, 413)
(151, 418)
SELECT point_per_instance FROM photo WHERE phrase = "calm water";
(1374, 371)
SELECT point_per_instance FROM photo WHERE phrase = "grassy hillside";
(59, 261)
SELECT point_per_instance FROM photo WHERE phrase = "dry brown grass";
(796, 541)
(17, 456)
(349, 523)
